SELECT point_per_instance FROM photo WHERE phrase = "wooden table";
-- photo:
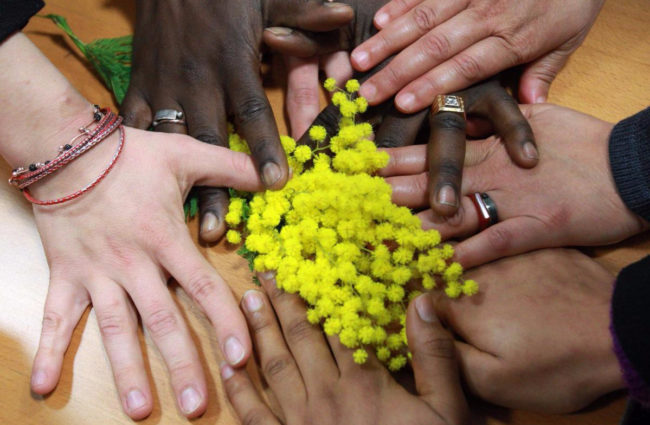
(607, 77)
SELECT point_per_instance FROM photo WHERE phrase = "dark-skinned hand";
(203, 58)
(488, 101)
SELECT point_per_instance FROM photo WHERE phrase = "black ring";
(491, 208)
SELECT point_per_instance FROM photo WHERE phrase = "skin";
(575, 153)
(536, 336)
(444, 46)
(316, 381)
(487, 101)
(117, 245)
(204, 59)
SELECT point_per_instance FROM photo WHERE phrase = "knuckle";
(390, 141)
(499, 239)
(201, 287)
(213, 198)
(448, 121)
(251, 109)
(391, 75)
(207, 134)
(425, 17)
(439, 348)
(467, 66)
(161, 322)
(182, 368)
(111, 323)
(449, 170)
(304, 96)
(298, 331)
(192, 71)
(52, 322)
(276, 366)
(436, 45)
(256, 416)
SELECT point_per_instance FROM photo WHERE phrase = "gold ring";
(448, 103)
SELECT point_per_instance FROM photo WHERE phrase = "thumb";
(434, 361)
(202, 164)
(537, 77)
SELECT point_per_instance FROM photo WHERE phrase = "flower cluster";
(334, 237)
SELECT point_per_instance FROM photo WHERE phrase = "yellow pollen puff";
(317, 133)
(352, 86)
(233, 236)
(330, 84)
(360, 356)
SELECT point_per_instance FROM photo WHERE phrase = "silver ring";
(168, 116)
(486, 210)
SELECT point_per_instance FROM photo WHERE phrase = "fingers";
(64, 306)
(434, 48)
(446, 155)
(405, 161)
(536, 80)
(481, 60)
(118, 325)
(303, 94)
(398, 129)
(296, 43)
(309, 15)
(306, 341)
(410, 191)
(276, 361)
(243, 396)
(392, 10)
(255, 121)
(201, 164)
(208, 289)
(509, 237)
(135, 109)
(169, 332)
(434, 361)
(496, 104)
(337, 66)
(206, 121)
(213, 207)
(463, 223)
(403, 31)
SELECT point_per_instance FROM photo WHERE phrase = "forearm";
(39, 109)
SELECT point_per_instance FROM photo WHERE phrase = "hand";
(570, 193)
(314, 385)
(203, 58)
(536, 337)
(449, 45)
(116, 246)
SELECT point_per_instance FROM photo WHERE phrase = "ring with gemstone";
(168, 116)
(448, 103)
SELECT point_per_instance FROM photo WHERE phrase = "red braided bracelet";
(88, 187)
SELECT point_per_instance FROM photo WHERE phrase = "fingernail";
(209, 222)
(38, 378)
(360, 57)
(226, 371)
(280, 31)
(369, 91)
(541, 99)
(381, 19)
(530, 151)
(234, 350)
(253, 301)
(424, 308)
(406, 101)
(135, 400)
(447, 196)
(335, 5)
(267, 275)
(270, 174)
(190, 400)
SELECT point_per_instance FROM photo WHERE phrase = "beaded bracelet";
(88, 187)
(112, 123)
(33, 172)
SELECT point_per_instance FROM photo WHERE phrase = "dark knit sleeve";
(629, 157)
(630, 327)
(14, 15)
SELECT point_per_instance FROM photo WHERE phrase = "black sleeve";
(629, 158)
(14, 15)
(630, 327)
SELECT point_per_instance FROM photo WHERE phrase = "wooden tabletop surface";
(606, 77)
